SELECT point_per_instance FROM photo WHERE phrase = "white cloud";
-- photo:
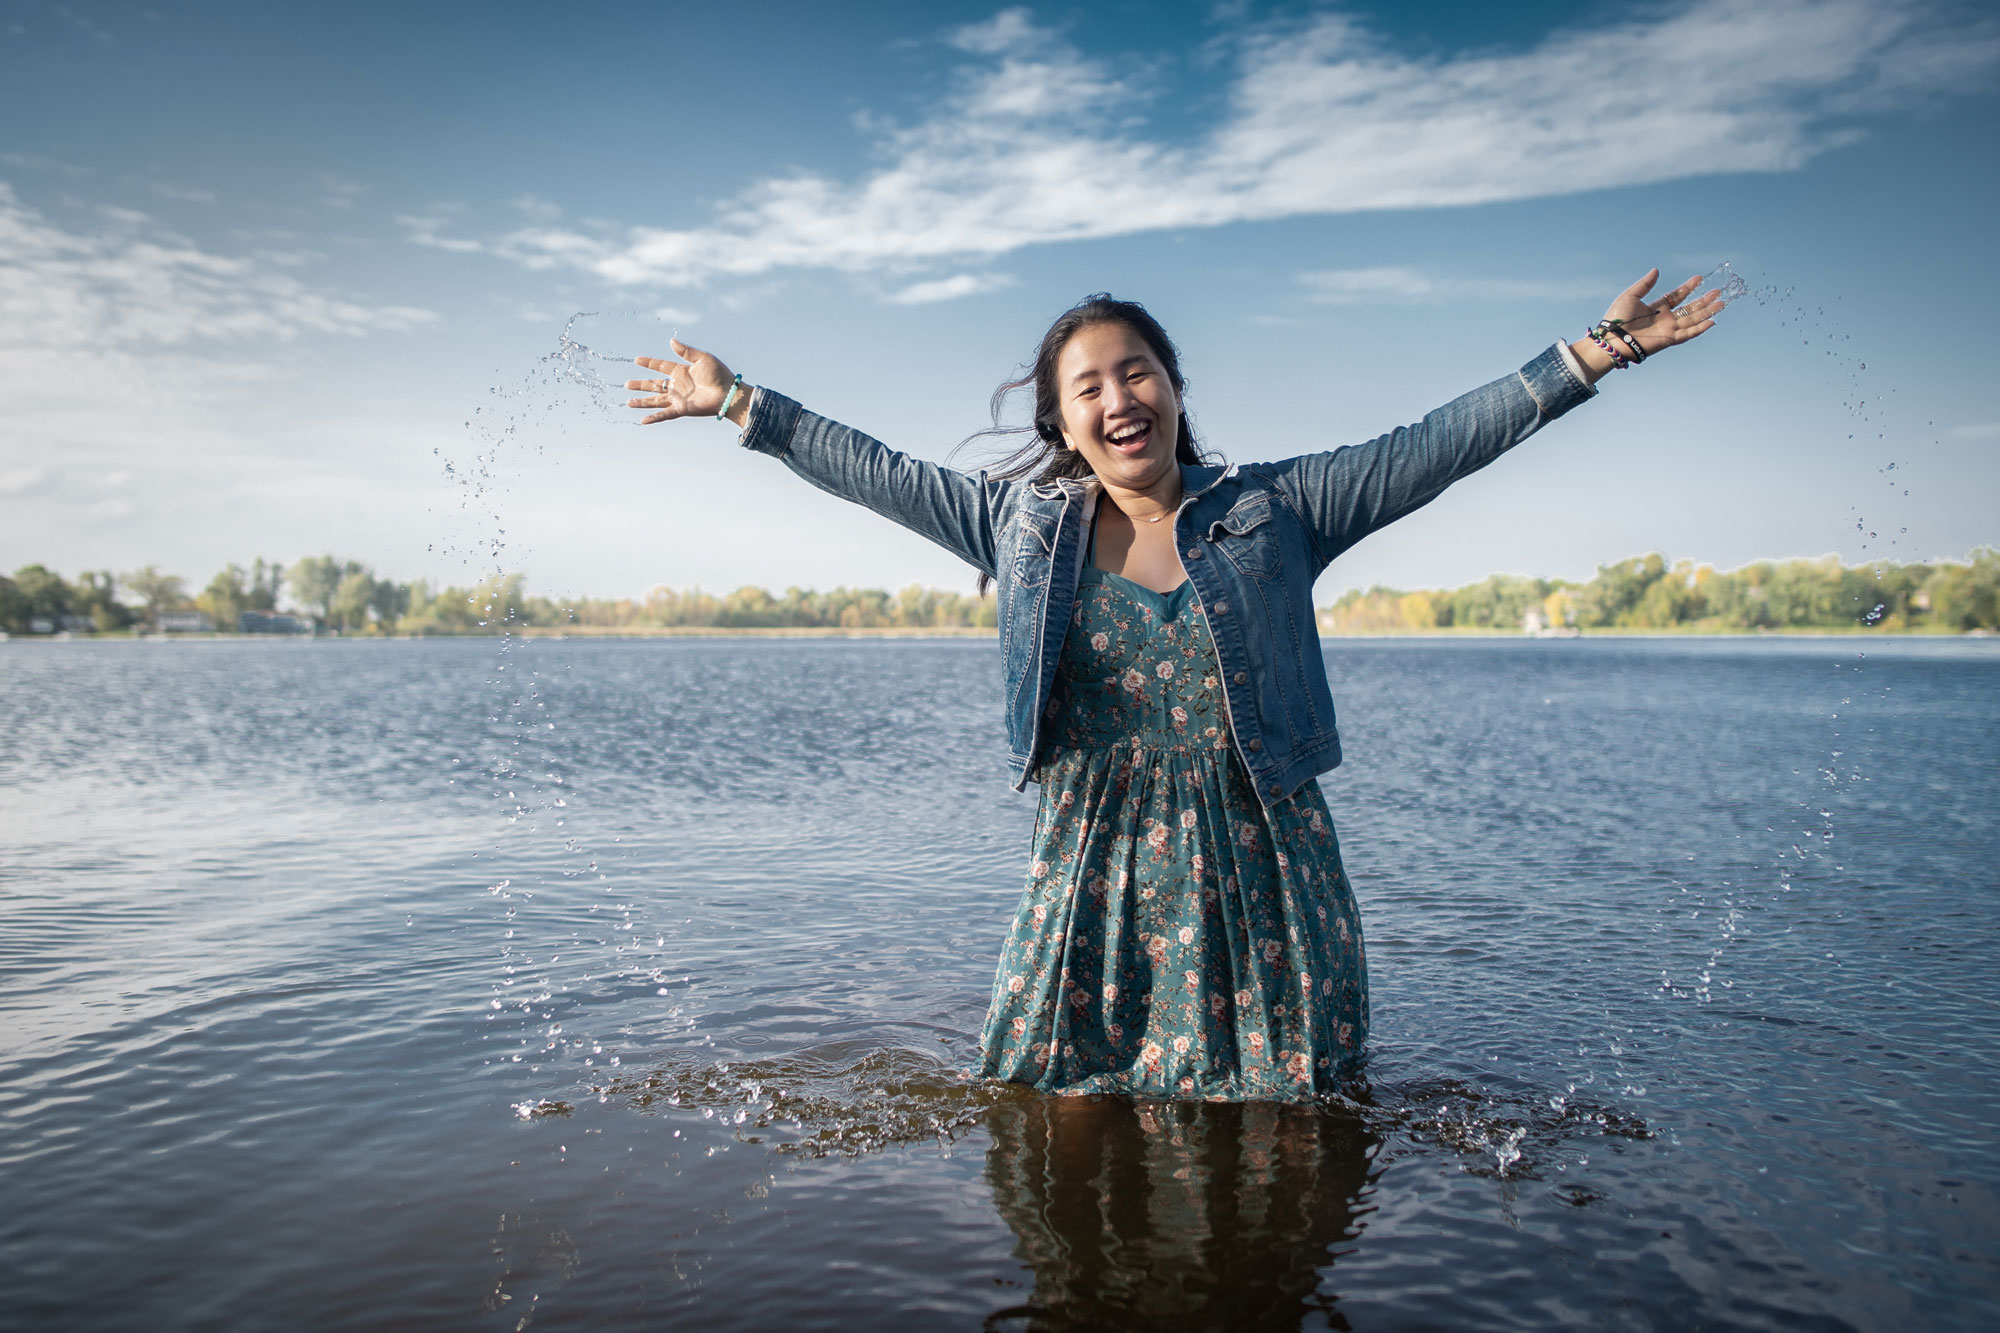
(1367, 284)
(1977, 430)
(1376, 286)
(136, 361)
(129, 286)
(430, 231)
(35, 162)
(21, 480)
(338, 192)
(1009, 30)
(537, 209)
(1038, 143)
(950, 289)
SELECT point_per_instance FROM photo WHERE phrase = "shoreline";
(961, 632)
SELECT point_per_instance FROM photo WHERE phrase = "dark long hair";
(1043, 456)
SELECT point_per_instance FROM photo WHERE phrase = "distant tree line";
(1643, 593)
(1647, 593)
(346, 597)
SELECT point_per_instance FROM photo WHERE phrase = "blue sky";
(265, 270)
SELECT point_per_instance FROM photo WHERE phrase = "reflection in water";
(1194, 1214)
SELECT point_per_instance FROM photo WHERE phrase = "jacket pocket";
(1034, 550)
(1248, 538)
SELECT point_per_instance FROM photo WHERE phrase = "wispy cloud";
(1977, 430)
(1037, 144)
(129, 352)
(1387, 285)
(336, 191)
(130, 284)
(21, 480)
(950, 289)
(186, 194)
(82, 25)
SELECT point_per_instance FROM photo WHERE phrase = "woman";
(1187, 930)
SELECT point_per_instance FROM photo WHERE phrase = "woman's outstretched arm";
(955, 509)
(1348, 493)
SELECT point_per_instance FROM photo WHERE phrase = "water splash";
(526, 420)
(1724, 281)
(835, 1099)
(576, 363)
(1514, 1134)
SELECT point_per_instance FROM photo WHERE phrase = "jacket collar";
(1197, 479)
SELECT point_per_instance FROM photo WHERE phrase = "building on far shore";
(271, 622)
(185, 622)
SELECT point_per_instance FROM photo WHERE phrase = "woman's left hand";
(1664, 323)
(1655, 325)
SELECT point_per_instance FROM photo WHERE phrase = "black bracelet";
(1615, 328)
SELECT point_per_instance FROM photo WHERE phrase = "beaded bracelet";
(730, 401)
(1618, 361)
(1617, 326)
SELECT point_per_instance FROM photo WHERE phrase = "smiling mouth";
(1130, 439)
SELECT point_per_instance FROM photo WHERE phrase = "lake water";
(595, 984)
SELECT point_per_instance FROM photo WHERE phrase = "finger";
(685, 352)
(1679, 294)
(655, 400)
(656, 363)
(1637, 291)
(658, 416)
(1699, 310)
(650, 386)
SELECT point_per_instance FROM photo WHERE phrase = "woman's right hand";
(694, 386)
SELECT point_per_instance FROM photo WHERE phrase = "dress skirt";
(1176, 940)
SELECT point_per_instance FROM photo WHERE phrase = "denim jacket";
(1253, 538)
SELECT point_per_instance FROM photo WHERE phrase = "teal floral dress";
(1175, 940)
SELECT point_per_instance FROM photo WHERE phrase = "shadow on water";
(1191, 1215)
(1137, 1214)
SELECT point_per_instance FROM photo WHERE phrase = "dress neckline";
(1090, 566)
(1166, 605)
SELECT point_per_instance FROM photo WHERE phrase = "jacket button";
(1241, 678)
(1222, 608)
(1256, 744)
(1277, 790)
(1194, 553)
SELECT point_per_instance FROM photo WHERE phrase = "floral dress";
(1175, 939)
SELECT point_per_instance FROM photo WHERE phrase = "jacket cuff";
(1554, 386)
(769, 426)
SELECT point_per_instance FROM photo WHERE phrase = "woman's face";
(1119, 409)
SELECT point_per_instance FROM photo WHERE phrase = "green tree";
(1612, 598)
(95, 594)
(157, 592)
(226, 597)
(266, 582)
(42, 592)
(1964, 597)
(347, 609)
(314, 581)
(389, 601)
(13, 607)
